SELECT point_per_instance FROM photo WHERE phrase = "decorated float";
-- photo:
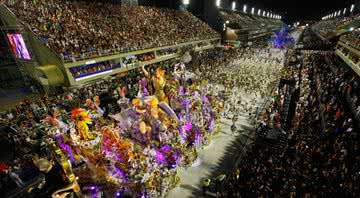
(139, 149)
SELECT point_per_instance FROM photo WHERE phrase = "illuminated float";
(139, 148)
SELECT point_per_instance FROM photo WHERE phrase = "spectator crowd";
(326, 28)
(85, 29)
(352, 38)
(322, 156)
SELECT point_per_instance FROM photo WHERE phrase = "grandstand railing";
(111, 56)
(350, 48)
(349, 62)
(210, 43)
(111, 52)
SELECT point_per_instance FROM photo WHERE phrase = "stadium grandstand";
(179, 99)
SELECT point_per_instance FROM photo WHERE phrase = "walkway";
(217, 158)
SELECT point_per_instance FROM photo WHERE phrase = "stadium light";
(233, 5)
(263, 13)
(344, 11)
(352, 8)
(245, 8)
(252, 10)
(259, 12)
(218, 3)
(351, 29)
(186, 2)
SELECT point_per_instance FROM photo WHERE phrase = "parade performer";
(159, 83)
(82, 119)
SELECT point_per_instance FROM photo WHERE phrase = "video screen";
(18, 46)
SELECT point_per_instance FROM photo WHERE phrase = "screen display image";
(18, 46)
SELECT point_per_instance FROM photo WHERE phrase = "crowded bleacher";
(352, 38)
(244, 21)
(82, 29)
(327, 28)
(322, 158)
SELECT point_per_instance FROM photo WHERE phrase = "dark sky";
(301, 9)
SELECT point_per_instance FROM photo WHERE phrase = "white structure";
(186, 2)
(218, 3)
(352, 8)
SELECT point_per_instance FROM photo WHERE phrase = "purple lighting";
(92, 187)
(160, 157)
(66, 148)
(188, 126)
(165, 148)
(282, 39)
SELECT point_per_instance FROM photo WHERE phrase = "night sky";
(295, 10)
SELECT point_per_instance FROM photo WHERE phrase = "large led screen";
(18, 46)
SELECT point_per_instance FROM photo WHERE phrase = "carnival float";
(140, 148)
